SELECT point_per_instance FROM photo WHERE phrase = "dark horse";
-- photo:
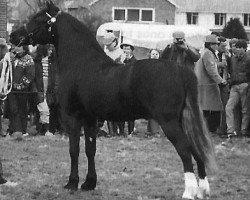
(93, 87)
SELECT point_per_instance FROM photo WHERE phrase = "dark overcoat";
(208, 79)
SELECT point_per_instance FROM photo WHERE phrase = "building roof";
(204, 6)
(214, 6)
(78, 3)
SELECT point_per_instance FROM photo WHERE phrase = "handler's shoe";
(2, 180)
(232, 135)
(229, 135)
(49, 134)
(17, 135)
(25, 134)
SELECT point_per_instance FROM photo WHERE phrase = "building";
(3, 18)
(212, 14)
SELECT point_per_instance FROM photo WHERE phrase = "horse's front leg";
(90, 131)
(73, 128)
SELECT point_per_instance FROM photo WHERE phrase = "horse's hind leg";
(90, 131)
(203, 188)
(73, 128)
(178, 138)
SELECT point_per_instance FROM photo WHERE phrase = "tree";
(234, 29)
(91, 20)
(22, 10)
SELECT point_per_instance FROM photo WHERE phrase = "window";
(192, 18)
(147, 15)
(133, 14)
(220, 19)
(246, 19)
(119, 14)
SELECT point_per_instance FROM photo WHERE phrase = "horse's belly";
(122, 112)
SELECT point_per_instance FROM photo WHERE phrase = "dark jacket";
(130, 60)
(240, 69)
(185, 58)
(23, 72)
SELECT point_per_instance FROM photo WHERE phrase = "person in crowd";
(239, 92)
(41, 68)
(232, 49)
(223, 64)
(125, 58)
(180, 52)
(52, 92)
(33, 112)
(153, 127)
(3, 51)
(209, 80)
(217, 34)
(112, 49)
(23, 72)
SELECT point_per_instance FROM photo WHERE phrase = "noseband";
(30, 35)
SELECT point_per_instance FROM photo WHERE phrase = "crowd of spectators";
(34, 81)
(222, 71)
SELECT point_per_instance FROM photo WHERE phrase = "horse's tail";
(195, 127)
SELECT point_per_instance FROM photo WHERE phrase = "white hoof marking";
(203, 189)
(191, 186)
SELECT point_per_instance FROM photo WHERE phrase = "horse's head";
(40, 28)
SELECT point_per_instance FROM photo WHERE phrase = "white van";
(148, 36)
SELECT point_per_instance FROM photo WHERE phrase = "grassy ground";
(128, 169)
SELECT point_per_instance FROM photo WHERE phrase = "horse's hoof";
(89, 184)
(71, 185)
(203, 189)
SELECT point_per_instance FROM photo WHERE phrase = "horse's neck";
(75, 44)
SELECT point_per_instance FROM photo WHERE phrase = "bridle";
(30, 34)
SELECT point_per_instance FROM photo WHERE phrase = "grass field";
(137, 168)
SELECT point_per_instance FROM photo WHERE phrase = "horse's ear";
(49, 4)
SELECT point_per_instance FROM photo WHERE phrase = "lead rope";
(6, 77)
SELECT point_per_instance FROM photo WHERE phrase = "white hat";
(211, 39)
(127, 42)
(108, 38)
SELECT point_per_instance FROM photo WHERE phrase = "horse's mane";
(91, 41)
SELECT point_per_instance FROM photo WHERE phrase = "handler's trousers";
(238, 93)
(18, 108)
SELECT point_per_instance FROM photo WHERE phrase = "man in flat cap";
(181, 53)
